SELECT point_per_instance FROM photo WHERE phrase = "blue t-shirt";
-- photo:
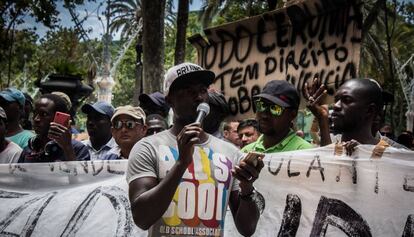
(22, 138)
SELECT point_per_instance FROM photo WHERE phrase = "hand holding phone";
(253, 158)
(62, 119)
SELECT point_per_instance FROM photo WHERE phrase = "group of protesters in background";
(142, 133)
(28, 133)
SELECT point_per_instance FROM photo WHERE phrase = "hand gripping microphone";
(202, 109)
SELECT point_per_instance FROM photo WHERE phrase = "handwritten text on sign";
(315, 38)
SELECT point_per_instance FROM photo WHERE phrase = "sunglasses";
(274, 109)
(129, 124)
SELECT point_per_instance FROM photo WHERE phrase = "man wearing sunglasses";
(276, 108)
(181, 180)
(128, 127)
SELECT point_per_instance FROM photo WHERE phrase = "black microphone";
(202, 109)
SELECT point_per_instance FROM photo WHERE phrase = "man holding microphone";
(181, 180)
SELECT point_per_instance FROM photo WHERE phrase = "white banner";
(307, 193)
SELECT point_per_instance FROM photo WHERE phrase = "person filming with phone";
(182, 179)
(53, 141)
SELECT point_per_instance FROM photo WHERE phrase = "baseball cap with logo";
(281, 93)
(13, 95)
(101, 107)
(135, 112)
(186, 73)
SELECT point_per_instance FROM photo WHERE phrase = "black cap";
(281, 93)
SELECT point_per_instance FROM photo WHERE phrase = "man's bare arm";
(245, 211)
(150, 199)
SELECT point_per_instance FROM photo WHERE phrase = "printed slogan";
(308, 39)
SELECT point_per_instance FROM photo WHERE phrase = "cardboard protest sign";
(307, 39)
(306, 193)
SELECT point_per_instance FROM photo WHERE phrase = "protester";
(155, 124)
(128, 127)
(9, 151)
(276, 107)
(406, 139)
(230, 132)
(387, 131)
(154, 103)
(357, 109)
(13, 102)
(53, 140)
(248, 131)
(164, 169)
(98, 124)
(25, 120)
(219, 110)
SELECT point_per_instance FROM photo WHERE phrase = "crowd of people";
(162, 156)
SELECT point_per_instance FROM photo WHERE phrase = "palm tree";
(127, 17)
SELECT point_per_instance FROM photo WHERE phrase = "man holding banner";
(181, 180)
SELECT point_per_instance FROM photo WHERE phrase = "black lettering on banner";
(291, 216)
(96, 171)
(7, 194)
(111, 171)
(271, 65)
(277, 169)
(336, 213)
(409, 227)
(302, 58)
(406, 186)
(239, 35)
(85, 166)
(236, 76)
(313, 167)
(290, 59)
(325, 51)
(354, 171)
(233, 107)
(341, 54)
(252, 71)
(226, 38)
(282, 30)
(221, 78)
(120, 203)
(244, 100)
(38, 204)
(291, 174)
(261, 30)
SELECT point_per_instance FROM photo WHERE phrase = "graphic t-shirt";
(199, 205)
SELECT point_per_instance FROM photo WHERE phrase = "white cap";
(186, 73)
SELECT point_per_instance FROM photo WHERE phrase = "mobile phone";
(62, 118)
(253, 157)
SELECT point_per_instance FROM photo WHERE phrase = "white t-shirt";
(199, 204)
(11, 154)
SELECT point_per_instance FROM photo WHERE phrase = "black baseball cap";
(281, 93)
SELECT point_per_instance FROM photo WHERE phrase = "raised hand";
(314, 93)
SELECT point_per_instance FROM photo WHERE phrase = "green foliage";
(193, 28)
(125, 79)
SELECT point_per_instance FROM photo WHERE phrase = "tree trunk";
(182, 22)
(153, 44)
(138, 86)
